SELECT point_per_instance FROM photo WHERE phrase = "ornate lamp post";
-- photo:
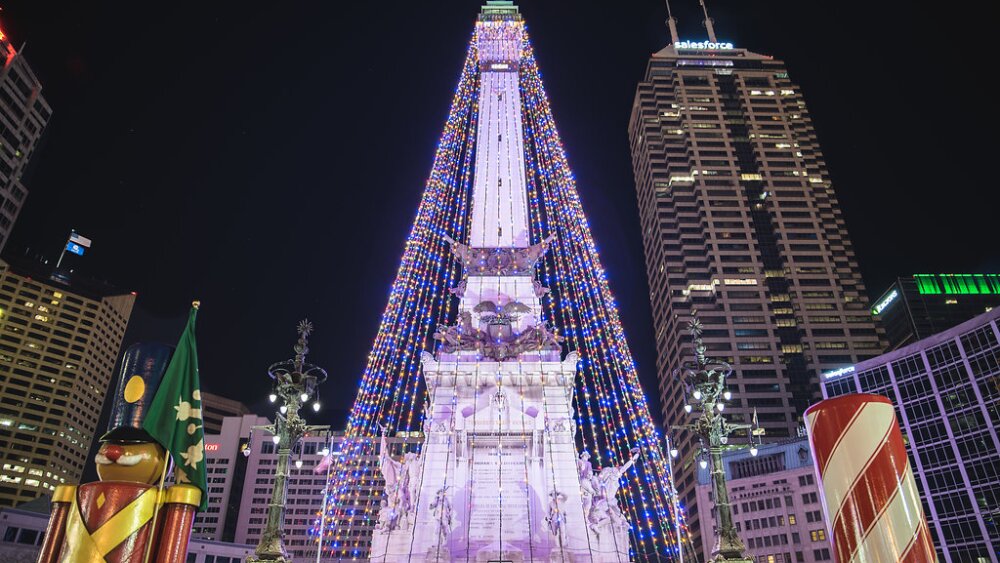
(705, 392)
(295, 383)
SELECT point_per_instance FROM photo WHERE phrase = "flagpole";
(159, 494)
(156, 508)
(63, 253)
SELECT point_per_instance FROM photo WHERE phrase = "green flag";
(174, 415)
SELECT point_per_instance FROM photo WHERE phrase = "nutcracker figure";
(128, 516)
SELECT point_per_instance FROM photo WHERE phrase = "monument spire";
(502, 349)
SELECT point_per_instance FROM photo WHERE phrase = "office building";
(775, 502)
(214, 408)
(915, 307)
(946, 389)
(741, 223)
(241, 461)
(24, 113)
(59, 342)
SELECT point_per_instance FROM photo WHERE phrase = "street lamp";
(705, 392)
(295, 381)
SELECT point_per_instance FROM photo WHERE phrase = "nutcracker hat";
(139, 376)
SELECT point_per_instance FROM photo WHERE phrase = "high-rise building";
(918, 306)
(946, 390)
(241, 461)
(214, 408)
(775, 502)
(59, 341)
(23, 116)
(741, 224)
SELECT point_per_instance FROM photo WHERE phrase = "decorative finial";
(305, 327)
(196, 304)
(695, 328)
(301, 347)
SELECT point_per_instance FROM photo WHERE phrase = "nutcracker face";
(139, 462)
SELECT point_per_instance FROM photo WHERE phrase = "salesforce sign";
(703, 45)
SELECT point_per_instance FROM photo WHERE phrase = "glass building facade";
(24, 113)
(946, 389)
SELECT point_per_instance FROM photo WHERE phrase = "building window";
(817, 535)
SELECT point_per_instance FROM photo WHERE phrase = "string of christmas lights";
(611, 409)
(391, 391)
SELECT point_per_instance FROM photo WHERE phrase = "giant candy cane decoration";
(868, 490)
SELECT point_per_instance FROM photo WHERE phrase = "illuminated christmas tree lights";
(611, 410)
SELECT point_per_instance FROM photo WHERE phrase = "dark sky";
(267, 158)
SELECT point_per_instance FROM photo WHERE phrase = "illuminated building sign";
(885, 302)
(703, 45)
(838, 372)
(211, 447)
(958, 284)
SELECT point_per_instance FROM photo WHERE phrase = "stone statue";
(463, 336)
(556, 518)
(442, 512)
(459, 290)
(586, 472)
(537, 337)
(526, 259)
(607, 485)
(599, 516)
(400, 485)
(497, 341)
(539, 289)
(498, 261)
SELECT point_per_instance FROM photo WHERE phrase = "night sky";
(267, 159)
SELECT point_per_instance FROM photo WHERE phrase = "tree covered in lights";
(611, 415)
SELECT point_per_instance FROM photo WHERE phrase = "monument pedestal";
(497, 476)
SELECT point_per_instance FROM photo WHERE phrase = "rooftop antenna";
(708, 23)
(672, 25)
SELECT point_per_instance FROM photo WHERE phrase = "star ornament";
(194, 454)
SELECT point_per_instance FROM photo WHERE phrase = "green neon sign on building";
(958, 284)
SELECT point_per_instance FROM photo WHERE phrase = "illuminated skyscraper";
(58, 348)
(740, 223)
(23, 115)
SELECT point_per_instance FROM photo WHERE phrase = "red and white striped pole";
(869, 494)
